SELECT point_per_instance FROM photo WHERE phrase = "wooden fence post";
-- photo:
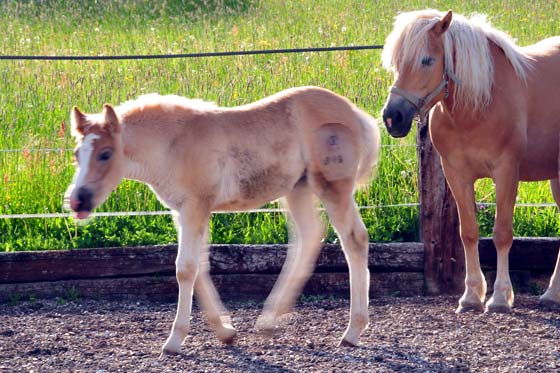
(444, 259)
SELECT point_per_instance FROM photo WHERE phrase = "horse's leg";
(192, 227)
(205, 291)
(506, 190)
(302, 254)
(347, 222)
(551, 298)
(475, 284)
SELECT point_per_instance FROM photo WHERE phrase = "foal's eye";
(427, 61)
(105, 155)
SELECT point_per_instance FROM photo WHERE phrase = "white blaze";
(84, 155)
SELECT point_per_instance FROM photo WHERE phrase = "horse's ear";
(79, 122)
(111, 121)
(443, 24)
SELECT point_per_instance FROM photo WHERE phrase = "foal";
(199, 158)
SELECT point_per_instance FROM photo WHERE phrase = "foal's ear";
(79, 122)
(111, 121)
(443, 24)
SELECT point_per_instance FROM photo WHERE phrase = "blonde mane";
(466, 49)
(167, 102)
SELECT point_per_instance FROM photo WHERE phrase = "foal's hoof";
(227, 336)
(468, 307)
(268, 326)
(270, 330)
(346, 343)
(165, 353)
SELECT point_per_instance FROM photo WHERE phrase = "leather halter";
(421, 102)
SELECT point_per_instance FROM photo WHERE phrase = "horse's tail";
(370, 144)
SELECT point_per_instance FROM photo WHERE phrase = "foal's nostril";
(84, 198)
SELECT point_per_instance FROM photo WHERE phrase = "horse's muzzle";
(397, 116)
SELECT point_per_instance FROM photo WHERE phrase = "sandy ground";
(405, 334)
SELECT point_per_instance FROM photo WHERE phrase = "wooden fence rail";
(237, 270)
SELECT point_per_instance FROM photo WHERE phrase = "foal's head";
(99, 159)
(415, 52)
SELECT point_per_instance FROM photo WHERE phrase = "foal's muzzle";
(82, 202)
(397, 116)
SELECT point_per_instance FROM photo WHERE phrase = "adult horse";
(494, 112)
(198, 158)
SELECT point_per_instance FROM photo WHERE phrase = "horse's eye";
(427, 61)
(105, 155)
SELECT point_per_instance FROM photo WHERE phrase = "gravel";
(405, 334)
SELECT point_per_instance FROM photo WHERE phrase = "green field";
(36, 97)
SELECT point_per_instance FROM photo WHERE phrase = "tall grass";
(36, 97)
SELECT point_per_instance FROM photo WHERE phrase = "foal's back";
(243, 157)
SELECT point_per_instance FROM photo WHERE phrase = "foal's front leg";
(192, 226)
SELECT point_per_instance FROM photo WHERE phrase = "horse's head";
(99, 159)
(415, 53)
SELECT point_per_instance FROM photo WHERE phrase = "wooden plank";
(160, 260)
(230, 286)
(533, 254)
(444, 267)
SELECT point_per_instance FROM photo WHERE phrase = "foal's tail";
(370, 144)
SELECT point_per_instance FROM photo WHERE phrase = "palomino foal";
(198, 158)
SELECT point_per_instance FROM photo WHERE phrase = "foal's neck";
(143, 147)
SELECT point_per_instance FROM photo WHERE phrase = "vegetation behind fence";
(36, 97)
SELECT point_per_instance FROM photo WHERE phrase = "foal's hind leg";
(551, 298)
(347, 222)
(300, 262)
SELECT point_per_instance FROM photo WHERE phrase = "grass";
(36, 97)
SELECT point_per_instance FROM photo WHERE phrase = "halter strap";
(421, 102)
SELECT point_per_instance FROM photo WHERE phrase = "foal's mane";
(164, 103)
(466, 49)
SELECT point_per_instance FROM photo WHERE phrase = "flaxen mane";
(467, 52)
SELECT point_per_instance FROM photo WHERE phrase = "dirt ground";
(405, 334)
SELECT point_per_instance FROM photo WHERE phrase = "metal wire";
(192, 55)
(167, 212)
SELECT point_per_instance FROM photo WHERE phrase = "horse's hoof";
(468, 307)
(549, 305)
(346, 343)
(498, 308)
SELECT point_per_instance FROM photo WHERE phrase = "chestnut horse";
(198, 158)
(494, 112)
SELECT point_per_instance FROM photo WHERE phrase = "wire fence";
(175, 56)
(195, 55)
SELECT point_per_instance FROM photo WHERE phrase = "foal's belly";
(254, 188)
